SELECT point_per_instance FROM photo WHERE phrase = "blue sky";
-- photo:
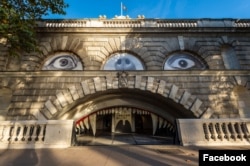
(158, 8)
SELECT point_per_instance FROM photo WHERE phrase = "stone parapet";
(36, 134)
(143, 23)
(214, 132)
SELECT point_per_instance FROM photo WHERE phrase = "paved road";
(103, 155)
(118, 150)
(121, 155)
(124, 139)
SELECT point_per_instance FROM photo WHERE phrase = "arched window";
(123, 61)
(63, 61)
(183, 61)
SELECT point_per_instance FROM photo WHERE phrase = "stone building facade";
(130, 75)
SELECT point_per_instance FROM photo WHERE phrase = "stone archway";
(67, 100)
(95, 100)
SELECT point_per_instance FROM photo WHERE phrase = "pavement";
(123, 150)
(124, 139)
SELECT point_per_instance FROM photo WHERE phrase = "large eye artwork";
(63, 62)
(123, 62)
(182, 62)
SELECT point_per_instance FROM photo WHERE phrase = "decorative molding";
(122, 79)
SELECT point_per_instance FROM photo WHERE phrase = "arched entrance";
(93, 104)
(141, 116)
(127, 122)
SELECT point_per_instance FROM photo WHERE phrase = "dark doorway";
(143, 124)
(123, 127)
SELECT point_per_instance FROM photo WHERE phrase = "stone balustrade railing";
(203, 132)
(122, 23)
(242, 24)
(35, 134)
(139, 23)
(62, 24)
(176, 24)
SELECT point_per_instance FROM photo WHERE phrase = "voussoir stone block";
(161, 87)
(98, 84)
(51, 108)
(61, 98)
(150, 83)
(74, 93)
(185, 98)
(109, 80)
(46, 113)
(79, 90)
(85, 87)
(208, 113)
(195, 107)
(92, 86)
(173, 92)
(138, 82)
(68, 96)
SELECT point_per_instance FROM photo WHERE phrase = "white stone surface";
(85, 87)
(191, 132)
(52, 109)
(58, 134)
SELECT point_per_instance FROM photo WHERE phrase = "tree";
(18, 22)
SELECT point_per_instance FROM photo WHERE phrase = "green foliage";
(18, 22)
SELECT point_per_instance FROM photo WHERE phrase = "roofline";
(144, 23)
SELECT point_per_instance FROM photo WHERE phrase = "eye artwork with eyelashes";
(123, 62)
(182, 62)
(63, 62)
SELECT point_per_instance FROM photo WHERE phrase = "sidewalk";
(111, 155)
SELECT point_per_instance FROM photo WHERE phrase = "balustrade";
(22, 132)
(137, 23)
(36, 134)
(214, 132)
(228, 130)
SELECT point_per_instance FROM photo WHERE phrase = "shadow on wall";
(5, 99)
(241, 96)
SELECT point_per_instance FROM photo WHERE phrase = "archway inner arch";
(125, 111)
(159, 101)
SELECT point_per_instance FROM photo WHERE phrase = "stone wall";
(216, 90)
(219, 44)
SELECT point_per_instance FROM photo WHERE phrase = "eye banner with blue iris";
(182, 61)
(63, 62)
